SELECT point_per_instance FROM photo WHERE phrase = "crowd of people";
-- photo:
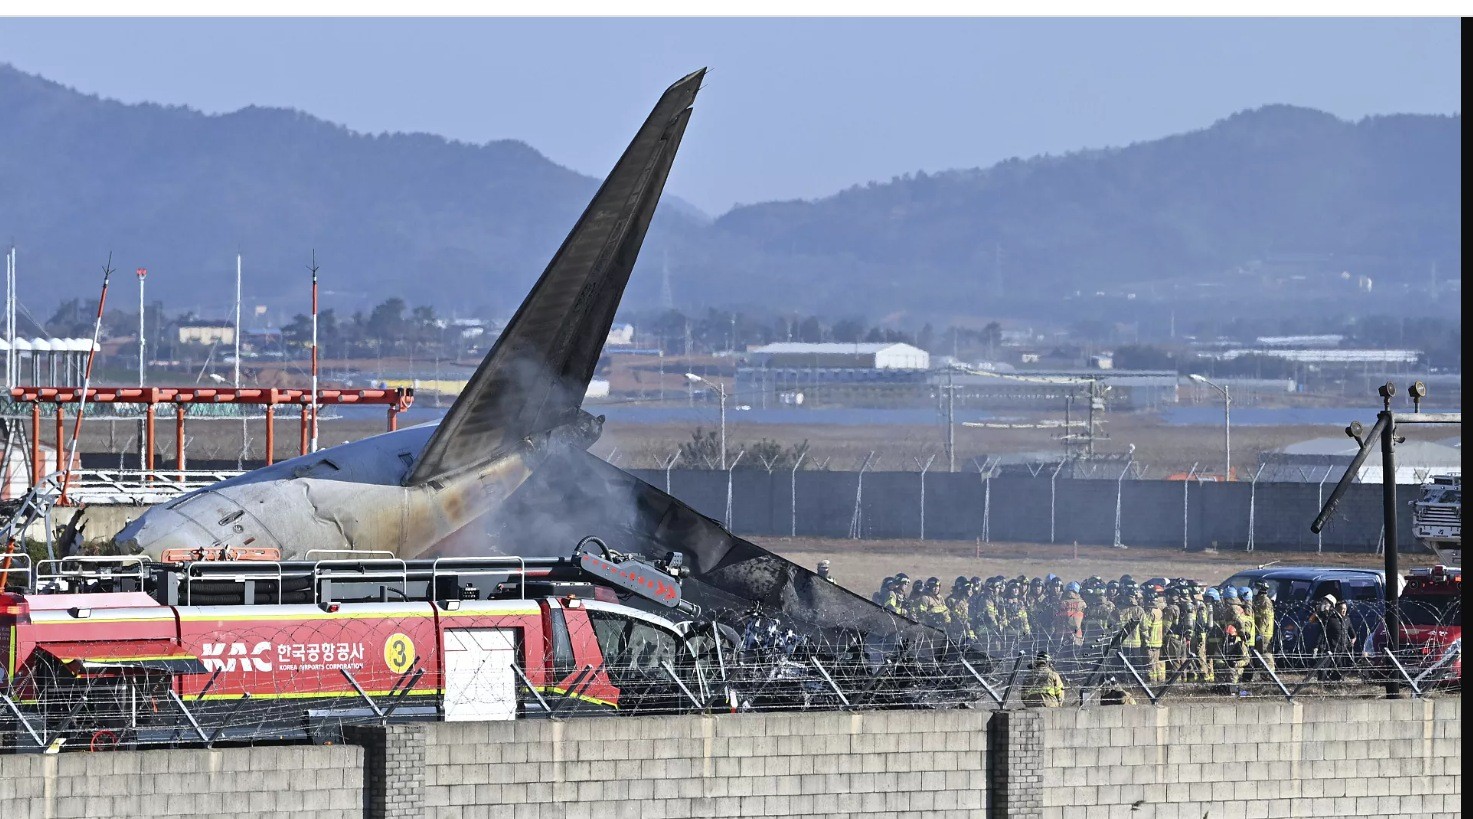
(1167, 628)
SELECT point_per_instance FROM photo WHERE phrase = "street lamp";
(721, 394)
(1227, 422)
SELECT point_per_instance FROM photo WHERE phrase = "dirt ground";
(860, 564)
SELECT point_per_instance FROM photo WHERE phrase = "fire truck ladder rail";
(92, 567)
(247, 571)
(494, 565)
(321, 577)
(378, 568)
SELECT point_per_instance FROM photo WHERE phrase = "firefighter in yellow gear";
(1263, 620)
(1128, 618)
(1044, 688)
(1237, 637)
(1204, 633)
(959, 612)
(1014, 615)
(1153, 636)
(930, 608)
(1174, 621)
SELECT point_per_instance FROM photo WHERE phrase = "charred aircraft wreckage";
(507, 471)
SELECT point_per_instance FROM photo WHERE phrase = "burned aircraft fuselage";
(350, 497)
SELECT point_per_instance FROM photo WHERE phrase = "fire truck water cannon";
(655, 580)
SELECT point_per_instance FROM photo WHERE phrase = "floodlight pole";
(1227, 423)
(721, 395)
(1392, 583)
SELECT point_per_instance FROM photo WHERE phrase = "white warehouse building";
(839, 355)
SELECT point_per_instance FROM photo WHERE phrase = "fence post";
(1053, 481)
(793, 496)
(856, 521)
(923, 492)
(1185, 517)
(1119, 489)
(1319, 537)
(729, 471)
(1253, 505)
(987, 508)
(670, 464)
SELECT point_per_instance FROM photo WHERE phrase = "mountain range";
(1249, 205)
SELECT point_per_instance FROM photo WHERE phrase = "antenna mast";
(313, 268)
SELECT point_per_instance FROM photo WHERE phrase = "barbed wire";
(307, 681)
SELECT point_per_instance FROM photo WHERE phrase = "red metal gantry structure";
(396, 400)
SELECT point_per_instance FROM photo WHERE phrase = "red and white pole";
(66, 465)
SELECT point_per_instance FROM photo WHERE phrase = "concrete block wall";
(1239, 760)
(860, 764)
(323, 781)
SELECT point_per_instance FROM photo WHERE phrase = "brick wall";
(325, 781)
(1225, 760)
(1319, 758)
(861, 764)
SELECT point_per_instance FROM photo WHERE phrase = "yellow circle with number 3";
(399, 652)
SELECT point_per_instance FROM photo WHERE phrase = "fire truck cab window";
(632, 649)
(562, 646)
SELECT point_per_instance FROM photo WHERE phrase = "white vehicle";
(1437, 517)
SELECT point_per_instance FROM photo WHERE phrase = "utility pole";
(721, 395)
(142, 344)
(1227, 422)
(143, 454)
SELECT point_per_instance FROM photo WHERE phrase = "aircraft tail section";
(533, 380)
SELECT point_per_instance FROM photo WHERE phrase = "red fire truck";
(108, 651)
(1430, 609)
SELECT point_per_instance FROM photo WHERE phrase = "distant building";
(839, 355)
(1326, 459)
(1327, 356)
(1319, 342)
(852, 374)
(206, 332)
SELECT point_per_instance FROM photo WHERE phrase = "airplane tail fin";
(534, 379)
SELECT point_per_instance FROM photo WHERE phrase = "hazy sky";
(791, 109)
